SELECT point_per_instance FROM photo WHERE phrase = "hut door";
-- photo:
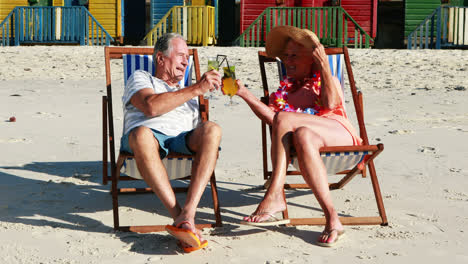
(134, 21)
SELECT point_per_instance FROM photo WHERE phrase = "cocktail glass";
(213, 64)
(230, 86)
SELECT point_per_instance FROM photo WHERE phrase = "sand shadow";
(64, 192)
(55, 194)
(70, 194)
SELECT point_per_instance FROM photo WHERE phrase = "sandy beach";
(54, 208)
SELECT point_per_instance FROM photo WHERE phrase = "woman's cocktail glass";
(230, 86)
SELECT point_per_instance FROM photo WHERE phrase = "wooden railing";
(7, 30)
(56, 25)
(331, 24)
(445, 27)
(195, 23)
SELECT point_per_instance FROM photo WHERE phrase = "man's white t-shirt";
(183, 118)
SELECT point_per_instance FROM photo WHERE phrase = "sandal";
(271, 221)
(340, 233)
(184, 235)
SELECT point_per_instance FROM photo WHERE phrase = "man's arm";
(152, 104)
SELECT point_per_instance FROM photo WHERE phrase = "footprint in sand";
(425, 149)
(456, 196)
(15, 140)
(48, 115)
(400, 131)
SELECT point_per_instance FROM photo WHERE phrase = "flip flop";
(191, 249)
(184, 235)
(271, 221)
(340, 233)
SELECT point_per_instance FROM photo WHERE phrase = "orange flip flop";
(184, 235)
(191, 249)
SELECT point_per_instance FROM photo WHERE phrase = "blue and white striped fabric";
(133, 62)
(176, 167)
(336, 66)
(338, 161)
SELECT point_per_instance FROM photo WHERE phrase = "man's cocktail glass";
(213, 64)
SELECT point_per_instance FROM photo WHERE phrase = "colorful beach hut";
(196, 21)
(7, 6)
(435, 24)
(416, 11)
(364, 12)
(107, 12)
(60, 22)
(159, 8)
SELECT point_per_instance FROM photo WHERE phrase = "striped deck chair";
(342, 160)
(178, 166)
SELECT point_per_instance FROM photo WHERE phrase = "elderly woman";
(307, 111)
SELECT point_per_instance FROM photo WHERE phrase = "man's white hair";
(164, 44)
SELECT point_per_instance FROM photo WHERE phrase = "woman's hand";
(320, 56)
(242, 91)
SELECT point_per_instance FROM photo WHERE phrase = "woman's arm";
(261, 110)
(331, 94)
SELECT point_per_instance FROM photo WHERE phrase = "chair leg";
(115, 203)
(104, 140)
(377, 193)
(267, 183)
(214, 194)
(154, 228)
(115, 191)
(285, 212)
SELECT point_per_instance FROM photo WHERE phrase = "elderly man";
(160, 117)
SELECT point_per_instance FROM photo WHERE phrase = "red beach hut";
(364, 12)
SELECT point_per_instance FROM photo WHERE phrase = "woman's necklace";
(280, 102)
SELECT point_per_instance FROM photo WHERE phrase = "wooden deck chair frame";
(108, 139)
(348, 174)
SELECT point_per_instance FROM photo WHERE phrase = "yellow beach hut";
(107, 12)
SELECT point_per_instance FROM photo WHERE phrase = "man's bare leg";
(204, 141)
(146, 150)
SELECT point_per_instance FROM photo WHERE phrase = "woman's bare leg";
(309, 135)
(307, 143)
(273, 200)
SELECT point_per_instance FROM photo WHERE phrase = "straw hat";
(278, 38)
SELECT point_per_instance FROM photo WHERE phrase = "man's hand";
(210, 81)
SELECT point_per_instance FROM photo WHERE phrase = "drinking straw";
(227, 62)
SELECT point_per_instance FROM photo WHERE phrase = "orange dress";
(279, 102)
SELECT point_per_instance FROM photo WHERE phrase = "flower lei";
(280, 102)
